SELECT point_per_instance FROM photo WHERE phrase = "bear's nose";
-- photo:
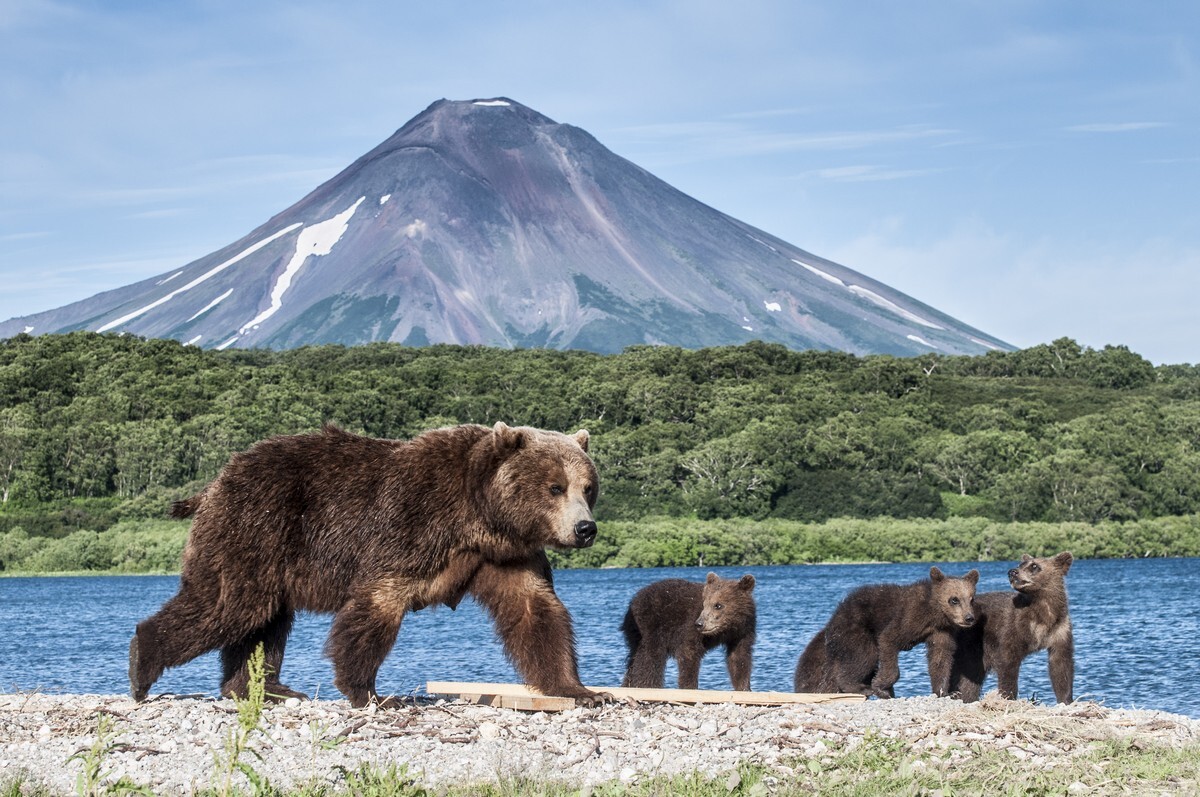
(585, 533)
(1012, 574)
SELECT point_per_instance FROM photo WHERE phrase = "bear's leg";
(633, 640)
(647, 666)
(688, 657)
(812, 668)
(1062, 670)
(534, 626)
(1007, 676)
(235, 674)
(887, 671)
(184, 628)
(738, 660)
(939, 660)
(360, 639)
(853, 660)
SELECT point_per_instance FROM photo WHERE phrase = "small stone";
(628, 775)
(490, 730)
(292, 702)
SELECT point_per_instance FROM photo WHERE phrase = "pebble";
(174, 744)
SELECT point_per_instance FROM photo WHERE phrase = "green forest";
(757, 448)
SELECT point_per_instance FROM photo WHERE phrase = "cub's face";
(954, 596)
(728, 603)
(546, 486)
(1036, 574)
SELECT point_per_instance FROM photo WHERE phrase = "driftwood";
(525, 698)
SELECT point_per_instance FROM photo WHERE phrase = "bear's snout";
(585, 533)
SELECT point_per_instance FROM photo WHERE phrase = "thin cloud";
(1115, 127)
(868, 173)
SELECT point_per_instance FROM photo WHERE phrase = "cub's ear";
(507, 439)
(936, 575)
(972, 576)
(582, 437)
(711, 577)
(746, 582)
(1025, 558)
(1064, 560)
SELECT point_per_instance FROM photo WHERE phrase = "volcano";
(485, 222)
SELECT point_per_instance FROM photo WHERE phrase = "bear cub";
(1011, 626)
(858, 649)
(684, 620)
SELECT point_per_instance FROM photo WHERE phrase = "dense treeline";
(96, 428)
(155, 546)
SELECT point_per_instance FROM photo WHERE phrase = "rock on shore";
(175, 744)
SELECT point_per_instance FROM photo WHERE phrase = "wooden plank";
(509, 695)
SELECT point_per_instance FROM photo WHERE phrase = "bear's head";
(1039, 574)
(728, 606)
(954, 596)
(543, 486)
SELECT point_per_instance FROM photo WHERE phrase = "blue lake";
(1137, 628)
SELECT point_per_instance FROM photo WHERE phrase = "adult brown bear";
(370, 529)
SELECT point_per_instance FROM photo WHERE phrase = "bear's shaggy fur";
(858, 650)
(370, 529)
(684, 620)
(1011, 626)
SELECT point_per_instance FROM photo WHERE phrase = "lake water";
(1137, 630)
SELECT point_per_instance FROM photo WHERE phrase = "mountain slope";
(485, 222)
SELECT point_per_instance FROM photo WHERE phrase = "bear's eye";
(719, 606)
(954, 601)
(556, 489)
(1034, 569)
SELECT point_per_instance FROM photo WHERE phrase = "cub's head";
(1039, 574)
(728, 605)
(543, 486)
(954, 596)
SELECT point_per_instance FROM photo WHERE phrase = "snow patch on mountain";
(206, 275)
(820, 273)
(773, 307)
(887, 304)
(211, 305)
(315, 240)
(922, 341)
(168, 279)
(493, 103)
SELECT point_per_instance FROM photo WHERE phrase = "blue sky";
(1031, 168)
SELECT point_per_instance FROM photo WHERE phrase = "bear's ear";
(1025, 558)
(507, 439)
(1064, 560)
(746, 582)
(710, 578)
(972, 576)
(936, 575)
(582, 437)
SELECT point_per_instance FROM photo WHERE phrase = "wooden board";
(526, 698)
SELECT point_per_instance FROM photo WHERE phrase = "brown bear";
(858, 650)
(684, 620)
(370, 529)
(1011, 626)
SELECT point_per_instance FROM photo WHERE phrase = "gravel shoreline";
(172, 743)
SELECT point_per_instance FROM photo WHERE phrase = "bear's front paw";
(593, 699)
